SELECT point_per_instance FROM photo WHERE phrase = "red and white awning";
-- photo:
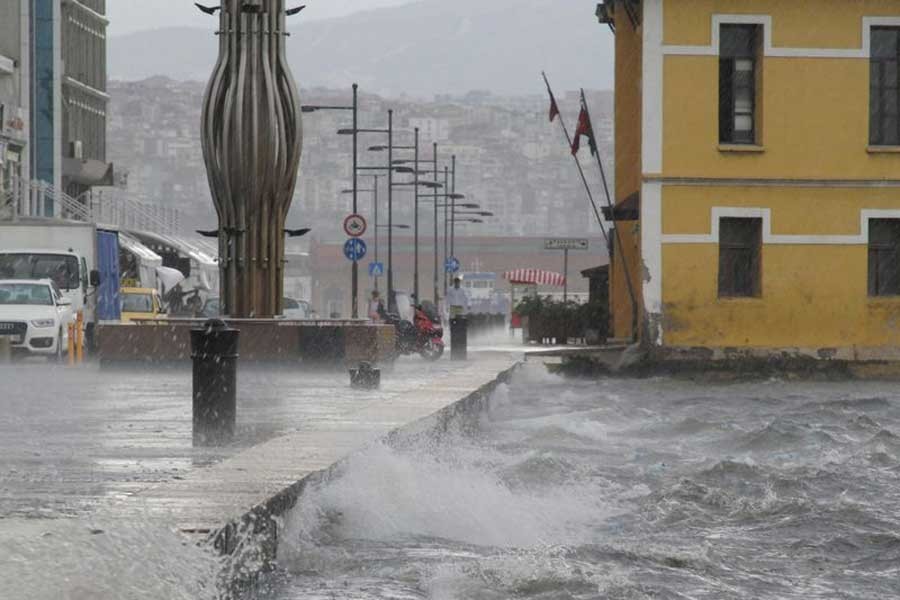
(535, 276)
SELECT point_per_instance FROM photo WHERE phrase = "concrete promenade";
(114, 447)
(344, 421)
(73, 441)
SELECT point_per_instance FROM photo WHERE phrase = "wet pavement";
(99, 480)
(74, 440)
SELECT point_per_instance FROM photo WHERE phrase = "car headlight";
(44, 323)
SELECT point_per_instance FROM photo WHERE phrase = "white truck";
(82, 260)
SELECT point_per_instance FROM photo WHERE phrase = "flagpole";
(575, 158)
(609, 203)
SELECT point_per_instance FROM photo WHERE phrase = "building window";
(884, 85)
(738, 73)
(740, 246)
(884, 257)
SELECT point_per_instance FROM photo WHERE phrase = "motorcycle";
(423, 335)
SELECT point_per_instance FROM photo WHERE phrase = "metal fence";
(105, 206)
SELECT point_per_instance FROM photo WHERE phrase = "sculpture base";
(334, 344)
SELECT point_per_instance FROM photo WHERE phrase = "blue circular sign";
(451, 265)
(355, 249)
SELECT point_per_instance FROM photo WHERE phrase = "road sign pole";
(566, 275)
(375, 202)
(355, 273)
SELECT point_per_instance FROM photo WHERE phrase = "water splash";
(619, 489)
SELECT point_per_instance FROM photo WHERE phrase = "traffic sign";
(354, 249)
(376, 269)
(565, 244)
(355, 225)
(451, 265)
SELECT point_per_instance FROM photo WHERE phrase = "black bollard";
(459, 341)
(214, 349)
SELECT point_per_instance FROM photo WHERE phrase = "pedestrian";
(175, 301)
(457, 299)
(376, 307)
(194, 304)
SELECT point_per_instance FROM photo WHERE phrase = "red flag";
(554, 109)
(583, 128)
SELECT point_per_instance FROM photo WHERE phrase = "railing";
(108, 206)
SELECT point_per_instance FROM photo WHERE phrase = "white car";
(35, 314)
(295, 309)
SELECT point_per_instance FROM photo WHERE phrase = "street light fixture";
(479, 213)
(382, 148)
(390, 185)
(311, 108)
(457, 197)
(415, 184)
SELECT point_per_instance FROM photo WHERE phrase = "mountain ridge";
(501, 46)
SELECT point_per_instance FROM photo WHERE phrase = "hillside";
(424, 48)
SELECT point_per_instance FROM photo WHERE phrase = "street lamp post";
(375, 216)
(446, 226)
(355, 132)
(453, 205)
(392, 303)
(437, 205)
(416, 219)
(354, 292)
(416, 183)
(434, 157)
(467, 217)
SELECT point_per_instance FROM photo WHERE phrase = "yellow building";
(758, 158)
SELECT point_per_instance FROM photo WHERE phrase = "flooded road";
(619, 489)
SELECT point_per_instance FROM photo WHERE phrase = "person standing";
(457, 299)
(376, 307)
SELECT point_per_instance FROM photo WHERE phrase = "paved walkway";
(98, 472)
(77, 441)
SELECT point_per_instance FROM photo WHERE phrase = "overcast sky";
(127, 16)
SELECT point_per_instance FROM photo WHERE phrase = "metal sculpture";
(252, 140)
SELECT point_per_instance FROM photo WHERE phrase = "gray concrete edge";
(250, 542)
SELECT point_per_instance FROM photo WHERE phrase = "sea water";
(617, 489)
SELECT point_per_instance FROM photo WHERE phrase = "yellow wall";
(814, 127)
(807, 103)
(812, 295)
(796, 23)
(795, 210)
(628, 171)
(627, 106)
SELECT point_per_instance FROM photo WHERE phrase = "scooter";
(424, 336)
